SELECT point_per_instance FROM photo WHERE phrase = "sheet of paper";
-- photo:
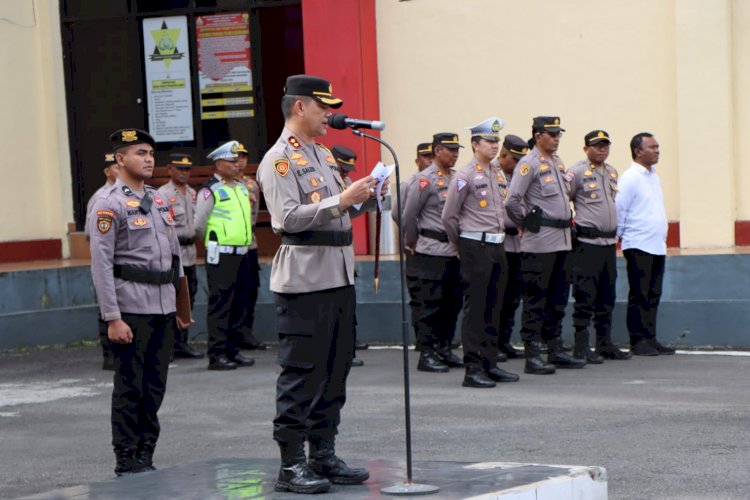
(379, 172)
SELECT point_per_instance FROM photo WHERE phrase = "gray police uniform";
(135, 261)
(473, 219)
(410, 264)
(593, 191)
(313, 270)
(538, 199)
(436, 259)
(514, 283)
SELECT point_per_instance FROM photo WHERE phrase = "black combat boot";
(582, 350)
(429, 362)
(558, 357)
(534, 362)
(145, 455)
(181, 347)
(445, 355)
(608, 350)
(510, 351)
(295, 475)
(476, 377)
(127, 463)
(323, 461)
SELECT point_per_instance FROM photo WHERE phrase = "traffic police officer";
(514, 148)
(181, 199)
(593, 191)
(473, 221)
(110, 172)
(135, 263)
(538, 199)
(312, 278)
(248, 340)
(223, 218)
(423, 160)
(436, 257)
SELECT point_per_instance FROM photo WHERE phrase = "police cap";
(312, 86)
(129, 136)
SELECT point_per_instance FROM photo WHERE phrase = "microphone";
(340, 121)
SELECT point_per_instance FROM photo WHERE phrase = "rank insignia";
(314, 182)
(439, 174)
(302, 163)
(613, 175)
(295, 156)
(592, 185)
(543, 168)
(173, 200)
(133, 203)
(561, 166)
(478, 167)
(587, 173)
(482, 203)
(281, 165)
(460, 184)
(524, 169)
(315, 197)
(330, 159)
(294, 142)
(129, 136)
(614, 187)
(140, 221)
(423, 183)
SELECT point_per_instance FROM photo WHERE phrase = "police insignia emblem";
(315, 197)
(129, 135)
(524, 169)
(281, 166)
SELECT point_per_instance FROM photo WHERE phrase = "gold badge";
(295, 156)
(314, 182)
(482, 203)
(315, 197)
(302, 163)
(293, 142)
(549, 178)
(330, 159)
(172, 200)
(524, 169)
(543, 168)
(129, 135)
(587, 173)
(613, 175)
(133, 203)
(140, 221)
(592, 185)
(441, 183)
(479, 168)
(282, 166)
(593, 196)
(614, 187)
(439, 174)
(561, 166)
(234, 148)
(109, 157)
(557, 121)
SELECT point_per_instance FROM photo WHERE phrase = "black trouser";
(228, 287)
(440, 297)
(545, 295)
(316, 345)
(511, 297)
(104, 338)
(412, 286)
(483, 276)
(140, 379)
(594, 275)
(252, 294)
(181, 336)
(645, 276)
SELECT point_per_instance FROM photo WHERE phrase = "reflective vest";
(229, 221)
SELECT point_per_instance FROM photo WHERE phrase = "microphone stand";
(408, 487)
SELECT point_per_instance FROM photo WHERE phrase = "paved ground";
(665, 428)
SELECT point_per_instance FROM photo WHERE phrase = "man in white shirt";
(642, 228)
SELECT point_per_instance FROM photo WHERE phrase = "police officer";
(135, 262)
(538, 199)
(312, 279)
(436, 257)
(346, 161)
(423, 160)
(593, 191)
(473, 220)
(181, 199)
(110, 172)
(248, 340)
(223, 219)
(514, 148)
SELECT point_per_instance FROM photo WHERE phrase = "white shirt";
(641, 218)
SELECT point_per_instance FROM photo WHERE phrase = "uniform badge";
(504, 192)
(129, 136)
(441, 183)
(541, 158)
(613, 175)
(140, 221)
(570, 176)
(460, 184)
(302, 163)
(587, 173)
(543, 168)
(127, 191)
(193, 196)
(483, 193)
(104, 225)
(158, 201)
(133, 203)
(478, 167)
(293, 142)
(592, 185)
(423, 183)
(295, 156)
(331, 160)
(173, 200)
(482, 203)
(524, 169)
(615, 188)
(314, 182)
(282, 166)
(169, 218)
(561, 166)
(593, 196)
(206, 194)
(315, 197)
(549, 178)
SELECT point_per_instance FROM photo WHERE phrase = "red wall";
(340, 46)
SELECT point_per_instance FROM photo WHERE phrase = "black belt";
(558, 223)
(511, 231)
(185, 241)
(130, 273)
(318, 238)
(591, 232)
(434, 235)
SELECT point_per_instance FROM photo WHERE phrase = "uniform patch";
(282, 166)
(460, 184)
(295, 156)
(482, 203)
(302, 163)
(587, 173)
(314, 182)
(105, 213)
(423, 183)
(543, 168)
(133, 203)
(330, 159)
(206, 194)
(592, 185)
(549, 178)
(169, 218)
(441, 183)
(158, 201)
(293, 142)
(173, 200)
(524, 169)
(140, 221)
(193, 195)
(315, 197)
(570, 176)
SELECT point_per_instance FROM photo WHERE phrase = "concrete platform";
(247, 478)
